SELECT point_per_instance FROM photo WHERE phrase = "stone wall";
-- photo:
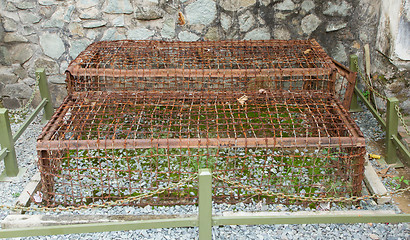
(50, 33)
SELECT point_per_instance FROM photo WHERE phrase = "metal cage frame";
(247, 100)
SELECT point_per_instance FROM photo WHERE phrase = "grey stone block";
(14, 37)
(47, 2)
(112, 34)
(94, 24)
(24, 5)
(337, 9)
(168, 29)
(29, 17)
(20, 53)
(7, 76)
(50, 65)
(201, 12)
(286, 5)
(310, 23)
(4, 56)
(17, 90)
(335, 26)
(11, 103)
(86, 3)
(235, 5)
(57, 79)
(187, 36)
(246, 21)
(148, 13)
(258, 34)
(139, 33)
(118, 6)
(77, 46)
(58, 93)
(9, 24)
(52, 45)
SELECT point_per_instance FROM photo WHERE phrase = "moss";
(131, 172)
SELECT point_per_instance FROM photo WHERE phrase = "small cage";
(143, 114)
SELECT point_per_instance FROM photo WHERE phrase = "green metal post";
(354, 106)
(45, 93)
(392, 123)
(6, 141)
(205, 204)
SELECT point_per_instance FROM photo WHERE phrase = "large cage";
(140, 115)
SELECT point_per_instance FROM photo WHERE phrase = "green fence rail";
(7, 140)
(390, 125)
(205, 220)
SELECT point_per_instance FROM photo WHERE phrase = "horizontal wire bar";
(211, 73)
(203, 143)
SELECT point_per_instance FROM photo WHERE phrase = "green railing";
(390, 125)
(7, 139)
(205, 220)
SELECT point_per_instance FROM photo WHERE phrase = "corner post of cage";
(7, 142)
(45, 93)
(205, 204)
(354, 106)
(392, 123)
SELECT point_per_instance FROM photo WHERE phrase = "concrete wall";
(50, 33)
(391, 52)
(394, 33)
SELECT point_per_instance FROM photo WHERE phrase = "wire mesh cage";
(141, 115)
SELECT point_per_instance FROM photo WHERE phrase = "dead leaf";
(243, 99)
(262, 91)
(383, 173)
(389, 176)
(181, 19)
(307, 51)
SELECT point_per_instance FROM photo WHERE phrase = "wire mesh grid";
(142, 114)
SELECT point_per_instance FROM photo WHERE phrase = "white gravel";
(26, 153)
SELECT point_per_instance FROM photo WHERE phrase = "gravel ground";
(375, 138)
(26, 153)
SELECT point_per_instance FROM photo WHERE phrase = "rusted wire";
(141, 115)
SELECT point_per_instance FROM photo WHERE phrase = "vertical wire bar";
(45, 93)
(44, 168)
(391, 130)
(205, 204)
(6, 141)
(354, 106)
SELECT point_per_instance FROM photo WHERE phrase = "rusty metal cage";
(143, 114)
